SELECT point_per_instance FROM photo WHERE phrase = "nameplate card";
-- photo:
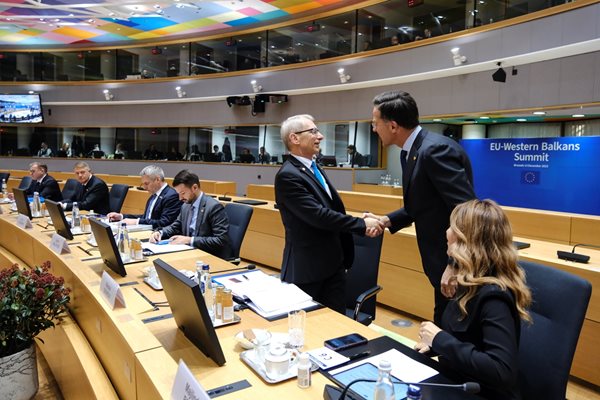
(186, 386)
(58, 244)
(24, 222)
(111, 291)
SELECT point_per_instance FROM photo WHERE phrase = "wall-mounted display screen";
(21, 109)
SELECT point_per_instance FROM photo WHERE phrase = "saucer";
(262, 337)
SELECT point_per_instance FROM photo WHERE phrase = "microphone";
(224, 197)
(576, 257)
(330, 392)
(248, 267)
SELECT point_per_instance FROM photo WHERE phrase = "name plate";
(24, 222)
(111, 291)
(58, 244)
(186, 386)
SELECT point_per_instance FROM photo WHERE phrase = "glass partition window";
(228, 54)
(153, 62)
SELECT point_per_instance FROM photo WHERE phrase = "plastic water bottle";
(4, 188)
(413, 393)
(124, 249)
(384, 389)
(208, 291)
(75, 215)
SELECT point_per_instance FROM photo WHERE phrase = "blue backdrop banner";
(560, 174)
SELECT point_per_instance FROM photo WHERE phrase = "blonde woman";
(479, 334)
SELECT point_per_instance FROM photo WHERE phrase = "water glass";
(296, 326)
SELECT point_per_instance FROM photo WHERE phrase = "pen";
(246, 278)
(359, 355)
(86, 251)
(166, 241)
(42, 226)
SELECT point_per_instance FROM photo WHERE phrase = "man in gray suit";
(202, 222)
(436, 177)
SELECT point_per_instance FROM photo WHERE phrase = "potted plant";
(30, 300)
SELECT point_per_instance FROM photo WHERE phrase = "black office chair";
(547, 346)
(116, 197)
(239, 217)
(71, 189)
(361, 279)
(5, 176)
(25, 183)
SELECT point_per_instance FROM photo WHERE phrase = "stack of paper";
(165, 248)
(266, 295)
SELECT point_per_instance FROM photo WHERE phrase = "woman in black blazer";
(479, 336)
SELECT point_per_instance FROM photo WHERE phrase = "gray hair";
(291, 125)
(153, 171)
(82, 164)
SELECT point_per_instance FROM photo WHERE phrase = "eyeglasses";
(313, 131)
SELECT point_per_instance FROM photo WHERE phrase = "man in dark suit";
(42, 183)
(93, 193)
(354, 157)
(318, 232)
(202, 222)
(436, 176)
(163, 206)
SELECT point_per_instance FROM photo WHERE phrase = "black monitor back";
(107, 246)
(59, 220)
(329, 161)
(189, 310)
(22, 202)
(247, 158)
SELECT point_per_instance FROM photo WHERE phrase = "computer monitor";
(212, 157)
(329, 161)
(22, 202)
(247, 158)
(107, 246)
(189, 310)
(59, 220)
(274, 159)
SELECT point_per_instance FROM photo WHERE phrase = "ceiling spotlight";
(31, 92)
(180, 92)
(343, 76)
(457, 57)
(255, 86)
(437, 120)
(108, 96)
(500, 74)
(521, 119)
(539, 113)
(578, 115)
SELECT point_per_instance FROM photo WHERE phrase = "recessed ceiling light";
(484, 117)
(437, 120)
(521, 120)
(539, 113)
(578, 115)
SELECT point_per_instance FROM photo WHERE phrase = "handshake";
(375, 224)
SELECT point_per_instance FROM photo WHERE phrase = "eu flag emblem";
(530, 177)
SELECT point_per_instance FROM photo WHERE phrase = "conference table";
(138, 349)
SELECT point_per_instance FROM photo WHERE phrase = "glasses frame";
(313, 131)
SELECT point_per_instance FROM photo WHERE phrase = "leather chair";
(25, 182)
(547, 346)
(70, 189)
(5, 176)
(361, 279)
(239, 217)
(116, 197)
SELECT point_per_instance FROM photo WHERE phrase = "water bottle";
(37, 205)
(75, 215)
(208, 290)
(384, 389)
(413, 393)
(304, 365)
(4, 188)
(124, 249)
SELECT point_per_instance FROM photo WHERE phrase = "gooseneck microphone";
(469, 387)
(224, 197)
(576, 257)
(248, 267)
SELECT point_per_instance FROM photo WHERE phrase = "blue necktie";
(403, 155)
(149, 207)
(318, 175)
(191, 227)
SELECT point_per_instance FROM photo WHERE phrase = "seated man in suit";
(202, 222)
(42, 183)
(93, 193)
(44, 151)
(162, 207)
(354, 157)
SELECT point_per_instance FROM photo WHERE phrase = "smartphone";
(345, 342)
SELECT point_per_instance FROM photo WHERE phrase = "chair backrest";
(25, 182)
(116, 197)
(547, 346)
(5, 176)
(239, 217)
(364, 272)
(70, 189)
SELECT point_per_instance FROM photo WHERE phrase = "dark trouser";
(331, 292)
